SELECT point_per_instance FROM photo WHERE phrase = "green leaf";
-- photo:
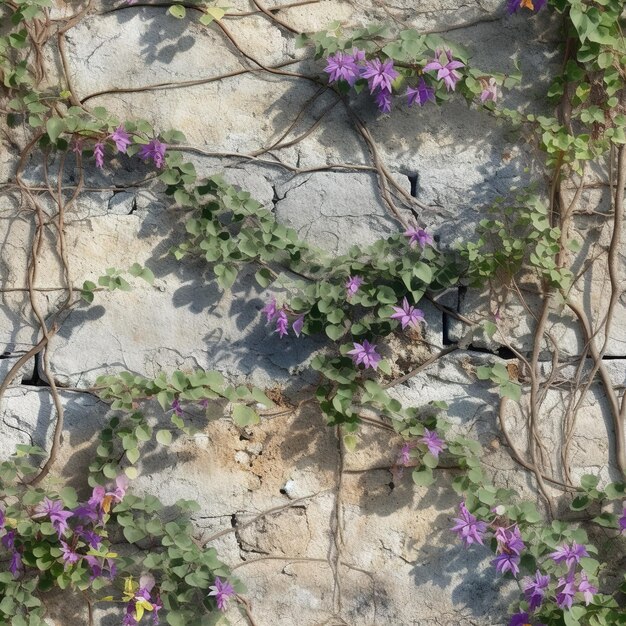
(54, 127)
(263, 277)
(423, 478)
(133, 534)
(511, 390)
(589, 482)
(335, 332)
(386, 295)
(164, 437)
(483, 372)
(579, 503)
(216, 13)
(385, 367)
(261, 398)
(614, 491)
(423, 272)
(486, 496)
(244, 416)
(132, 455)
(572, 617)
(176, 618)
(350, 442)
(177, 11)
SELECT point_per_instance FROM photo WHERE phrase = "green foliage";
(410, 51)
(126, 433)
(520, 237)
(164, 549)
(230, 230)
(499, 374)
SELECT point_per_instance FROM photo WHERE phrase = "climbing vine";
(361, 303)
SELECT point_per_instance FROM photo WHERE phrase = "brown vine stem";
(73, 21)
(183, 83)
(517, 457)
(247, 609)
(422, 366)
(383, 173)
(617, 417)
(334, 553)
(280, 7)
(290, 168)
(305, 107)
(274, 18)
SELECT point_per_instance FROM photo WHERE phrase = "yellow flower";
(130, 586)
(141, 605)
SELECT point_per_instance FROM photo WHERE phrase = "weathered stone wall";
(318, 536)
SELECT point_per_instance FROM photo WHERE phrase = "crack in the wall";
(35, 380)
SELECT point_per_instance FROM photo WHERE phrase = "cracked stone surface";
(269, 496)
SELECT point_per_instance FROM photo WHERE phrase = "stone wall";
(318, 535)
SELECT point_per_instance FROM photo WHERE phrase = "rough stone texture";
(312, 545)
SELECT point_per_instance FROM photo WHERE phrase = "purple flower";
(88, 512)
(121, 486)
(69, 556)
(154, 150)
(54, 510)
(16, 563)
(121, 139)
(622, 521)
(383, 101)
(129, 618)
(434, 443)
(2, 518)
(92, 538)
(8, 541)
(507, 563)
(571, 555)
(509, 541)
(379, 74)
(282, 324)
(297, 325)
(446, 72)
(535, 588)
(365, 354)
(418, 235)
(92, 509)
(270, 310)
(353, 284)
(469, 529)
(404, 458)
(586, 588)
(157, 605)
(222, 590)
(420, 94)
(98, 153)
(77, 146)
(342, 66)
(534, 5)
(94, 564)
(97, 567)
(490, 92)
(407, 315)
(520, 619)
(359, 55)
(565, 593)
(204, 403)
(178, 409)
